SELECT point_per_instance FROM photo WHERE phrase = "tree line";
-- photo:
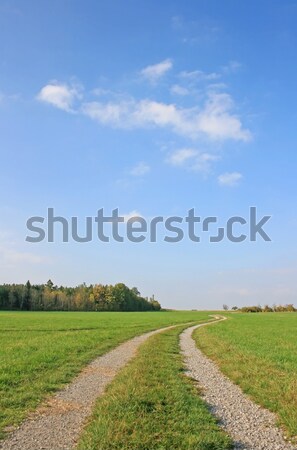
(97, 297)
(266, 308)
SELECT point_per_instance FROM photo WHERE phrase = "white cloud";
(60, 95)
(149, 112)
(210, 120)
(154, 72)
(230, 179)
(214, 87)
(214, 120)
(199, 75)
(179, 90)
(203, 162)
(179, 157)
(140, 169)
(218, 123)
(116, 114)
(192, 159)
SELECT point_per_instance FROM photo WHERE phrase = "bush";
(267, 308)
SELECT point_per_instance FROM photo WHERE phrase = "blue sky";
(154, 108)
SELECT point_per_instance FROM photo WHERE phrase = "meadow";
(259, 353)
(150, 404)
(41, 351)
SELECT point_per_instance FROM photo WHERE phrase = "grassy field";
(41, 351)
(151, 405)
(259, 353)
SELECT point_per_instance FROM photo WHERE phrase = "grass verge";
(152, 405)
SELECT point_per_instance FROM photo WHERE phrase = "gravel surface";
(58, 423)
(250, 426)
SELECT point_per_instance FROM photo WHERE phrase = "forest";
(97, 297)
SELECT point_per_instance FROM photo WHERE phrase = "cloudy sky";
(153, 108)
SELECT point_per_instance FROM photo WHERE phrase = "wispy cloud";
(203, 162)
(8, 98)
(232, 67)
(155, 71)
(199, 75)
(192, 159)
(177, 22)
(179, 157)
(214, 120)
(140, 169)
(179, 90)
(230, 179)
(196, 32)
(99, 92)
(60, 95)
(16, 257)
(11, 254)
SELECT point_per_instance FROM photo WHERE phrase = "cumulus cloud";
(140, 169)
(192, 159)
(154, 72)
(60, 95)
(215, 120)
(230, 179)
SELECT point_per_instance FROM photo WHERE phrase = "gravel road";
(250, 426)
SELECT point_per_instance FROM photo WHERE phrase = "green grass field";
(259, 353)
(41, 351)
(151, 405)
